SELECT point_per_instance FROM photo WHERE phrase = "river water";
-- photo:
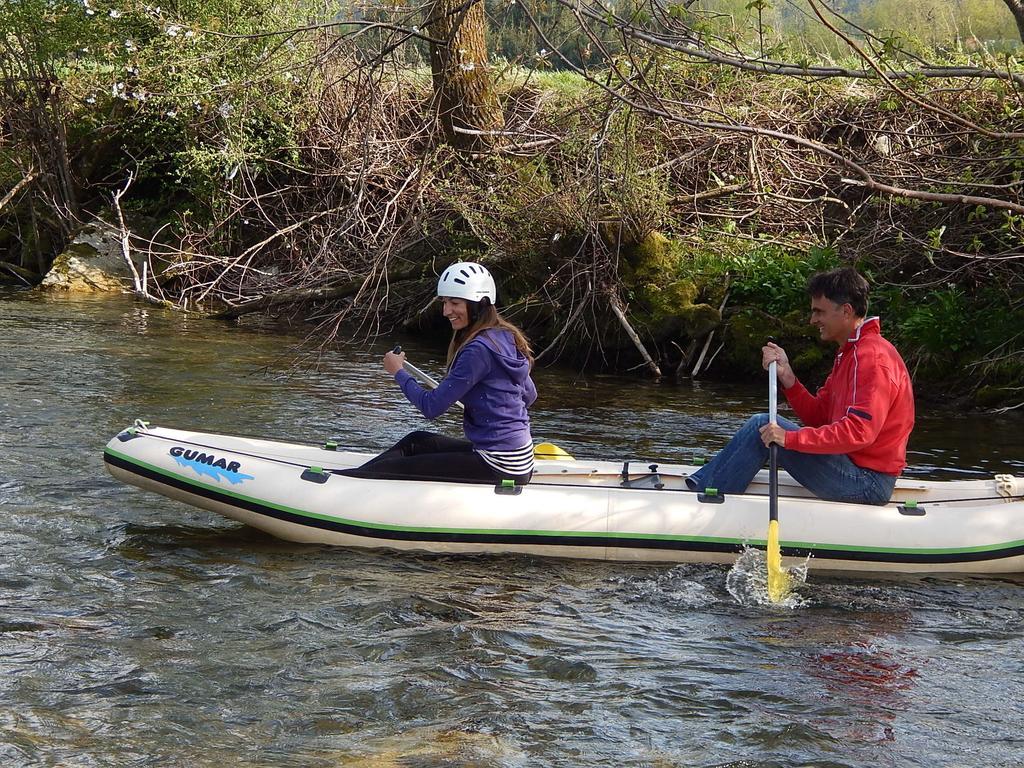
(136, 631)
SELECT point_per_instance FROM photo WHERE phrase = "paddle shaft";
(773, 449)
(778, 577)
(423, 376)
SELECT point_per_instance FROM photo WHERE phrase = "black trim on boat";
(624, 541)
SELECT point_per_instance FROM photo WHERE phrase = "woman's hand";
(393, 362)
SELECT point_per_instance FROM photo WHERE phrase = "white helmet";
(467, 280)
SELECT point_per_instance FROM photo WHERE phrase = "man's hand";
(393, 362)
(772, 352)
(773, 433)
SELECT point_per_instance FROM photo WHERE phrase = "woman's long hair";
(482, 317)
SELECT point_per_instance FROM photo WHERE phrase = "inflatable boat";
(624, 510)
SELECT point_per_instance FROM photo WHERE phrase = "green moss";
(698, 319)
(62, 262)
(651, 263)
(994, 396)
(664, 304)
(746, 333)
(808, 359)
(665, 299)
(654, 254)
(671, 311)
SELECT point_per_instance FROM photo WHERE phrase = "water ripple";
(138, 631)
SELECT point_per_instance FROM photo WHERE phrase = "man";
(854, 444)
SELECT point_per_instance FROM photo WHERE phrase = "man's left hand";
(773, 433)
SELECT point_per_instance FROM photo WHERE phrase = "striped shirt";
(516, 462)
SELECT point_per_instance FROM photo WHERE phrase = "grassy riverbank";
(288, 174)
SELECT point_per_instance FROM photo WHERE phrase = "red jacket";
(865, 408)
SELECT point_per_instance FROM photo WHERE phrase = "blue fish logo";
(208, 465)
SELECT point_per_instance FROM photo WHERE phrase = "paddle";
(548, 451)
(423, 376)
(778, 579)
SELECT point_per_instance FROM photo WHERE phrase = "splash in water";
(683, 586)
(747, 581)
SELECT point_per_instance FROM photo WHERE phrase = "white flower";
(173, 30)
(226, 109)
(115, 14)
(90, 100)
(128, 44)
(171, 113)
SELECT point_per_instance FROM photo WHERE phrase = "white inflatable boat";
(575, 509)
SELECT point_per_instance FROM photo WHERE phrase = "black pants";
(424, 455)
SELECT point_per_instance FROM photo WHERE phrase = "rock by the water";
(92, 262)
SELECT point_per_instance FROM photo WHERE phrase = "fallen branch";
(709, 194)
(1008, 408)
(29, 177)
(253, 249)
(565, 327)
(711, 333)
(305, 295)
(617, 310)
(690, 46)
(139, 283)
(26, 276)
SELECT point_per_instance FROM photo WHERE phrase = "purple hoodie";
(492, 379)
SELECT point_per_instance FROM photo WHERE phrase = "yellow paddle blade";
(778, 578)
(550, 451)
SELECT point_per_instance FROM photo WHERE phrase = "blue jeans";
(832, 477)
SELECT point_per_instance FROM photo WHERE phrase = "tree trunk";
(467, 104)
(1017, 9)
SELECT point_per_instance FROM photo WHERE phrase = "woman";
(489, 362)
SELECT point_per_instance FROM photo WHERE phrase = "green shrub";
(768, 276)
